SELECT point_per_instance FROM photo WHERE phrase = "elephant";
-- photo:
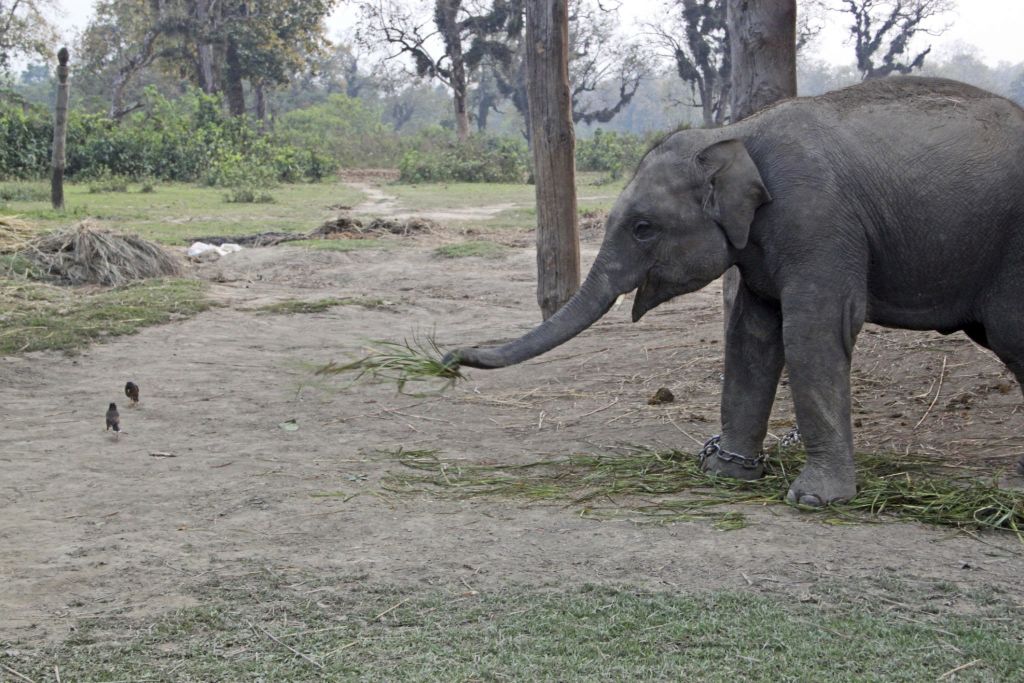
(898, 202)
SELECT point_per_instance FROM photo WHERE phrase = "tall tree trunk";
(60, 131)
(260, 97)
(762, 39)
(554, 142)
(233, 81)
(205, 48)
(117, 89)
(459, 102)
(446, 17)
(483, 111)
(762, 36)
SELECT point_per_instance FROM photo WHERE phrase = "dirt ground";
(92, 526)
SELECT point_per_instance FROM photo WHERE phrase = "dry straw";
(86, 254)
(15, 234)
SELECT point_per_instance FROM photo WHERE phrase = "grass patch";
(670, 486)
(296, 307)
(180, 210)
(275, 629)
(40, 317)
(403, 363)
(248, 195)
(25, 192)
(482, 249)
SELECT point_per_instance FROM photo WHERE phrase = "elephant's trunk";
(594, 298)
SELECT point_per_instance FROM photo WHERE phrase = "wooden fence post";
(60, 131)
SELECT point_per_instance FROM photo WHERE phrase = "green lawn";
(176, 211)
(266, 627)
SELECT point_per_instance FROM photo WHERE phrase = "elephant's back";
(914, 92)
(896, 106)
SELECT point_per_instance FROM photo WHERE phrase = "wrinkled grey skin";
(899, 202)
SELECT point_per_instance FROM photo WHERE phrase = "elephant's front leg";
(753, 363)
(819, 334)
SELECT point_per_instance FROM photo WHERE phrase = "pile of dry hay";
(353, 228)
(15, 234)
(86, 254)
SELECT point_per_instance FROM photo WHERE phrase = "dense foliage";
(439, 157)
(349, 130)
(188, 139)
(612, 153)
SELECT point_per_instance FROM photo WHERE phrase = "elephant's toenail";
(811, 500)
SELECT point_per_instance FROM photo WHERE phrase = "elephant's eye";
(643, 231)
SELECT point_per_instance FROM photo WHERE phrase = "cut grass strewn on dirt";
(260, 627)
(482, 249)
(295, 306)
(634, 483)
(38, 317)
(400, 362)
(345, 245)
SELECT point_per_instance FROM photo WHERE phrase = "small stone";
(661, 396)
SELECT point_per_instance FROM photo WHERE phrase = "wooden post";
(554, 143)
(762, 40)
(60, 131)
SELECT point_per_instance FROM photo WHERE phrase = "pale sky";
(994, 27)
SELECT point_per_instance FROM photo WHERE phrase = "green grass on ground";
(670, 486)
(39, 317)
(479, 248)
(174, 212)
(296, 306)
(268, 627)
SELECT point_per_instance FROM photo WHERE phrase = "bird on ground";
(131, 390)
(113, 420)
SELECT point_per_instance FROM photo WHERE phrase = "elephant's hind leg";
(1005, 337)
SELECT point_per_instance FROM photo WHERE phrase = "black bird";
(113, 420)
(131, 390)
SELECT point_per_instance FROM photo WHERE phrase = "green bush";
(187, 139)
(480, 159)
(346, 130)
(611, 153)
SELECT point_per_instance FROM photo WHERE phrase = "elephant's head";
(676, 227)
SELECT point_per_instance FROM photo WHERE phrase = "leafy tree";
(119, 43)
(467, 32)
(218, 45)
(24, 30)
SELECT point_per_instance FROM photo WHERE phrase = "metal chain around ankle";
(713, 449)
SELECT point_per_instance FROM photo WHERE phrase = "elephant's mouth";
(654, 291)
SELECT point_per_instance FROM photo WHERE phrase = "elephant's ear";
(734, 188)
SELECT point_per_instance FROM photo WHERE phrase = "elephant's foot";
(717, 461)
(819, 485)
